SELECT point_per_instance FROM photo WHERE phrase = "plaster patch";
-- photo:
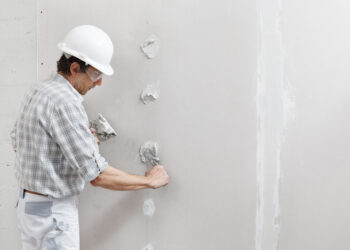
(150, 47)
(102, 128)
(148, 247)
(148, 207)
(149, 153)
(150, 93)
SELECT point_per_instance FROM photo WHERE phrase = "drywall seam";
(288, 114)
(274, 109)
(276, 197)
(260, 109)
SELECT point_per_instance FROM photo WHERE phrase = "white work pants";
(48, 224)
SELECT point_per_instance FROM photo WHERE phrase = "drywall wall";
(302, 143)
(204, 120)
(315, 158)
(249, 116)
(18, 60)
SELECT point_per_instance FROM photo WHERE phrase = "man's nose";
(98, 82)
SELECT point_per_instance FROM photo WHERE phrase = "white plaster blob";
(102, 128)
(148, 247)
(150, 47)
(151, 93)
(149, 153)
(148, 207)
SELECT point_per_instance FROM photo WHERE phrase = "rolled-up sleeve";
(69, 129)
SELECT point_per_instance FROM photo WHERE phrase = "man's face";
(83, 81)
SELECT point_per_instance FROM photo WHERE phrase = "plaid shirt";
(55, 150)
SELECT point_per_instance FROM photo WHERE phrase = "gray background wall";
(251, 120)
(18, 70)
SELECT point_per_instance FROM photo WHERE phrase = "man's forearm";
(120, 180)
(116, 179)
(113, 171)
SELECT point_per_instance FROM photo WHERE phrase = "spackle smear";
(148, 207)
(150, 47)
(149, 153)
(150, 93)
(148, 247)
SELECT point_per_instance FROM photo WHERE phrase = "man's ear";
(74, 69)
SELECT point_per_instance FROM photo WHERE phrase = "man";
(56, 152)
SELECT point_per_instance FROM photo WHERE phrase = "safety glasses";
(93, 74)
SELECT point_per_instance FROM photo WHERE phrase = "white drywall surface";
(18, 70)
(204, 120)
(251, 120)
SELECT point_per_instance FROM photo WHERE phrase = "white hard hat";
(91, 45)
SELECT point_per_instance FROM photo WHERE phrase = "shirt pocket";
(39, 208)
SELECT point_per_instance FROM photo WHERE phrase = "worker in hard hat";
(56, 153)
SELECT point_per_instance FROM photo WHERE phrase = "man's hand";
(157, 176)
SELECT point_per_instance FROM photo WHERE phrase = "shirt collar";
(60, 78)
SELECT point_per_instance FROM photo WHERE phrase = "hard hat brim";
(105, 69)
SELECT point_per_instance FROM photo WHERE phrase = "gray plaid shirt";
(55, 150)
